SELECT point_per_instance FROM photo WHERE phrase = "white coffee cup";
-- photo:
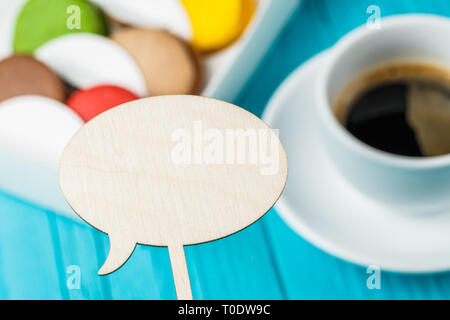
(412, 185)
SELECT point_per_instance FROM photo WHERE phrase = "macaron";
(169, 65)
(9, 10)
(247, 13)
(42, 20)
(39, 126)
(209, 25)
(24, 75)
(91, 102)
(216, 24)
(85, 60)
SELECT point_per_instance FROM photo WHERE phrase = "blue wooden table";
(39, 250)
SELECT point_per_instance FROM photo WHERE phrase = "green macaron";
(43, 20)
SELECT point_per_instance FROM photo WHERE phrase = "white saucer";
(328, 211)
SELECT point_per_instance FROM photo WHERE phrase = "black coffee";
(403, 109)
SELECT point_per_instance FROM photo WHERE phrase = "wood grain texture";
(125, 172)
(180, 272)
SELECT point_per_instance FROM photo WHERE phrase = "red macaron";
(89, 103)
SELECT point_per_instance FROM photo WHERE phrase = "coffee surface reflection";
(401, 108)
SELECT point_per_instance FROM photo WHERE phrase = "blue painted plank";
(238, 267)
(146, 275)
(28, 264)
(77, 250)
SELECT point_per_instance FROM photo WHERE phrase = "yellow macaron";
(209, 25)
(217, 23)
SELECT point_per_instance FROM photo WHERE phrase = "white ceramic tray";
(32, 175)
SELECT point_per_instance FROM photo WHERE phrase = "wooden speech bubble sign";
(172, 171)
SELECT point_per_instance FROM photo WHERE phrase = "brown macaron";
(170, 65)
(24, 75)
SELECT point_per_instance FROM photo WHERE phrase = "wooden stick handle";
(180, 272)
